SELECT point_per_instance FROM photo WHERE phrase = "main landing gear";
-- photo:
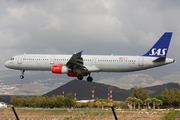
(80, 77)
(89, 78)
(22, 76)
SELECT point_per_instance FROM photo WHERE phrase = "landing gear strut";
(22, 76)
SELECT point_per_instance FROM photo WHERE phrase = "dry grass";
(79, 114)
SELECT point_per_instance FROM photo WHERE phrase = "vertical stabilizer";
(160, 49)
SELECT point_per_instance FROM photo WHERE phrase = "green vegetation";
(59, 102)
(140, 96)
(139, 93)
(171, 97)
(44, 102)
(98, 103)
(171, 115)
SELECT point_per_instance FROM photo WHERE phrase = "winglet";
(160, 49)
(80, 52)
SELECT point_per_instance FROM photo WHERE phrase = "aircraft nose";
(6, 64)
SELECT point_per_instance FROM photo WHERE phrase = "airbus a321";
(78, 65)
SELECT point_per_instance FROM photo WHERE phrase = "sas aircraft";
(78, 65)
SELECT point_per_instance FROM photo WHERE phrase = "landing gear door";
(141, 61)
(52, 60)
(20, 59)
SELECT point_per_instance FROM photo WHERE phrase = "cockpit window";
(12, 59)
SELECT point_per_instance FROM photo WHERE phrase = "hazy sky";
(121, 27)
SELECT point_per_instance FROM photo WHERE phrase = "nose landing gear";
(22, 76)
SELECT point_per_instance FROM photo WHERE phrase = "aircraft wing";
(76, 62)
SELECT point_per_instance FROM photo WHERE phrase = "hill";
(84, 91)
(143, 80)
(157, 90)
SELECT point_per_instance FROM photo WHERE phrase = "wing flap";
(92, 68)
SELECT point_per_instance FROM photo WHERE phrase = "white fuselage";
(78, 65)
(94, 63)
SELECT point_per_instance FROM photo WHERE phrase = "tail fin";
(160, 49)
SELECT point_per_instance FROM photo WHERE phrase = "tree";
(129, 100)
(147, 101)
(69, 101)
(103, 104)
(14, 100)
(38, 101)
(158, 102)
(32, 102)
(52, 101)
(134, 101)
(60, 101)
(169, 96)
(90, 104)
(115, 103)
(154, 101)
(98, 103)
(27, 102)
(21, 101)
(177, 96)
(139, 93)
(139, 102)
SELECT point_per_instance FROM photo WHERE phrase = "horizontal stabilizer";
(160, 59)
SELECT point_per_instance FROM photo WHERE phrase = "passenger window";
(12, 59)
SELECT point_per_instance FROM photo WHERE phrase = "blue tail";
(160, 49)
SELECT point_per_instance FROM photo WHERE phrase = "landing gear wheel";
(80, 77)
(21, 76)
(89, 79)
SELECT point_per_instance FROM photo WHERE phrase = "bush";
(171, 115)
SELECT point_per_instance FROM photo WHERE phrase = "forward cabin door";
(141, 61)
(20, 59)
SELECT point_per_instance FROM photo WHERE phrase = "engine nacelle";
(60, 69)
(72, 74)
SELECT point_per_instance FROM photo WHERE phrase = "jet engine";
(60, 69)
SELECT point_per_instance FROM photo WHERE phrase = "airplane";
(78, 65)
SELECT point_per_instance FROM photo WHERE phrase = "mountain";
(157, 90)
(84, 91)
(143, 80)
